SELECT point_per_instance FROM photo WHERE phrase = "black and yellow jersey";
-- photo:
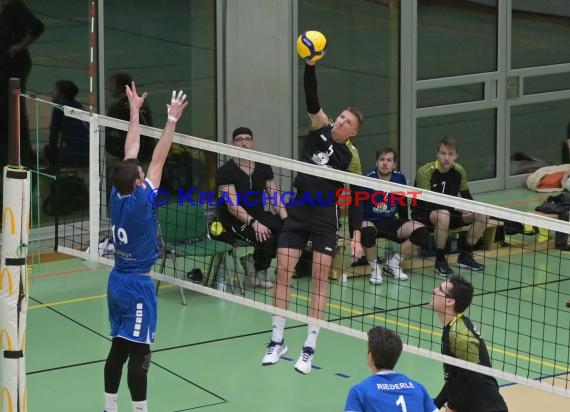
(453, 182)
(465, 390)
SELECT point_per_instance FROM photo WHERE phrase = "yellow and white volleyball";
(312, 45)
(216, 228)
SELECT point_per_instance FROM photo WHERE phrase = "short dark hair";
(385, 346)
(357, 113)
(124, 174)
(67, 88)
(121, 79)
(462, 292)
(385, 150)
(449, 142)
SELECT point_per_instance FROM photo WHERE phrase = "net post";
(14, 92)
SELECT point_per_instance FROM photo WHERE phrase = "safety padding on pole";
(14, 288)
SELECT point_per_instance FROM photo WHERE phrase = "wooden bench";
(488, 240)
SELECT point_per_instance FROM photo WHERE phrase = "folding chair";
(212, 213)
(184, 232)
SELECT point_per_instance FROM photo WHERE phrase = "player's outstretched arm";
(175, 109)
(132, 142)
(318, 116)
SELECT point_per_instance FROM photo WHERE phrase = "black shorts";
(388, 229)
(319, 224)
(422, 215)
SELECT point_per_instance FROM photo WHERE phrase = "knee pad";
(368, 236)
(139, 363)
(420, 237)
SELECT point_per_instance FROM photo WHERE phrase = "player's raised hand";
(177, 105)
(135, 101)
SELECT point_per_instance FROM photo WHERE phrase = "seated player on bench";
(446, 176)
(385, 215)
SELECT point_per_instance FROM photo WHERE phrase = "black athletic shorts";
(319, 224)
(388, 229)
(422, 215)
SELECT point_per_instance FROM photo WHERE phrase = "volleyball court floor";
(207, 354)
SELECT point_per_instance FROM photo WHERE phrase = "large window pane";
(475, 133)
(456, 37)
(537, 134)
(168, 46)
(540, 33)
(361, 68)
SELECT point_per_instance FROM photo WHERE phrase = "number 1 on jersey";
(402, 403)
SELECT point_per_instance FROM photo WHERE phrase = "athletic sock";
(140, 406)
(278, 328)
(440, 254)
(312, 335)
(111, 402)
(467, 248)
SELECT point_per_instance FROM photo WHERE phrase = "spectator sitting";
(240, 179)
(68, 138)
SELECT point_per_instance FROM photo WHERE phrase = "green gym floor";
(207, 354)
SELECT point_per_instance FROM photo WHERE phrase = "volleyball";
(312, 45)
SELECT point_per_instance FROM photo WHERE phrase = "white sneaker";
(305, 362)
(376, 275)
(262, 281)
(249, 268)
(392, 268)
(106, 247)
(274, 351)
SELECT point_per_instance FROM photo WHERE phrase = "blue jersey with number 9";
(389, 391)
(134, 226)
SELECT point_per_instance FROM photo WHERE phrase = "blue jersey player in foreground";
(130, 292)
(387, 390)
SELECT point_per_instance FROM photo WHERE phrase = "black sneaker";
(466, 261)
(442, 268)
(195, 276)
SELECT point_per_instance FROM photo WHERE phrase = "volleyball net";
(520, 295)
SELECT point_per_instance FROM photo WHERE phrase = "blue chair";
(184, 233)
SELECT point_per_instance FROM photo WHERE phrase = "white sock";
(374, 266)
(140, 406)
(312, 335)
(111, 402)
(278, 328)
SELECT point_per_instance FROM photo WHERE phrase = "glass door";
(458, 75)
(538, 86)
(493, 74)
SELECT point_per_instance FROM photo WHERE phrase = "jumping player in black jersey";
(464, 390)
(327, 145)
(447, 176)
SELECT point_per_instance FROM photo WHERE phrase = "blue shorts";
(132, 306)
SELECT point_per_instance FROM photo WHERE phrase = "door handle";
(513, 87)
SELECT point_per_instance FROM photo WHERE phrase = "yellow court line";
(66, 302)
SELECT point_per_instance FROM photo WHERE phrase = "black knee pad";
(139, 363)
(420, 237)
(368, 236)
